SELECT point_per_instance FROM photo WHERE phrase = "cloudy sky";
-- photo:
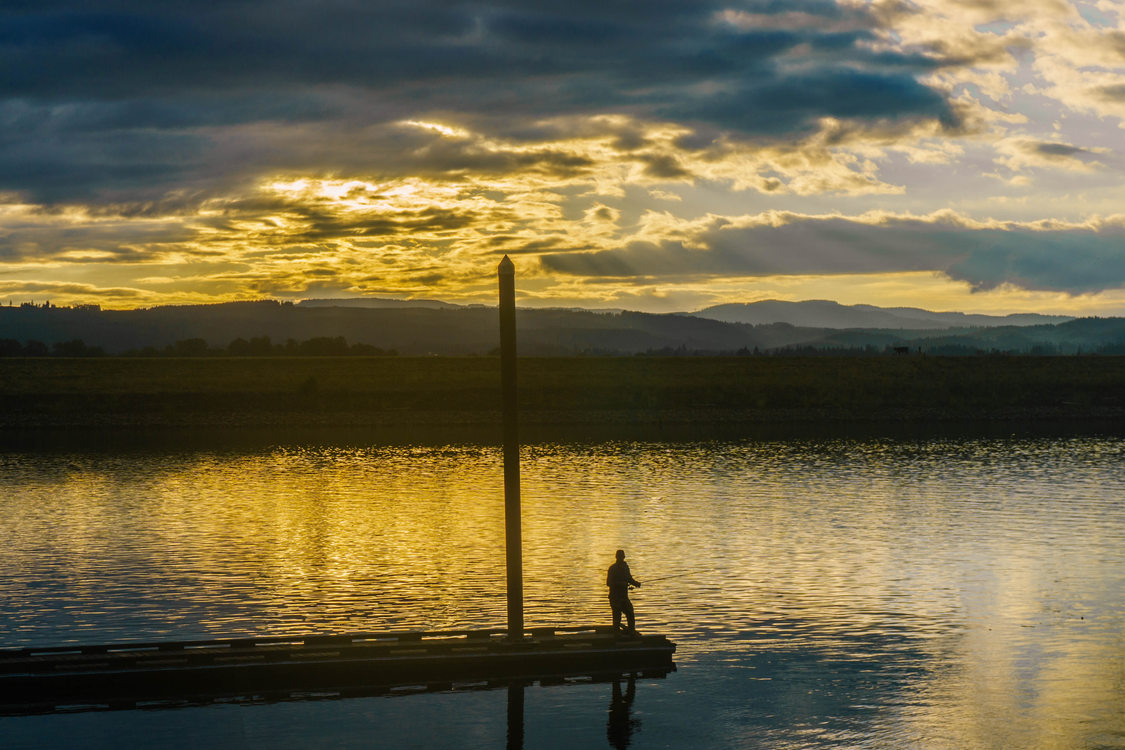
(660, 155)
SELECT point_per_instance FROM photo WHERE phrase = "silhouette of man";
(619, 579)
(620, 725)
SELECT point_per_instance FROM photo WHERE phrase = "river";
(935, 592)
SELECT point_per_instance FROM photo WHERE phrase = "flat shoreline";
(165, 439)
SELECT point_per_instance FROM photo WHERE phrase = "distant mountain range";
(432, 327)
(826, 314)
(807, 314)
(381, 303)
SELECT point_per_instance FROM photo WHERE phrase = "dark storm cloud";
(1112, 93)
(112, 243)
(98, 101)
(135, 233)
(796, 101)
(1058, 150)
(54, 289)
(313, 222)
(1074, 260)
(663, 166)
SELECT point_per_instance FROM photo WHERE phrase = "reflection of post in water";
(620, 725)
(515, 715)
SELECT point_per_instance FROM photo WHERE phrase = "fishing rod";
(681, 575)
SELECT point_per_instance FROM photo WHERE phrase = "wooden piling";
(513, 542)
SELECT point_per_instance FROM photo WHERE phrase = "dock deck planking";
(128, 675)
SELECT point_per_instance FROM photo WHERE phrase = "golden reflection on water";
(929, 591)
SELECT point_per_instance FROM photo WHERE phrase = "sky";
(658, 156)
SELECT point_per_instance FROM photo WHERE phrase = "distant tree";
(35, 349)
(76, 348)
(324, 346)
(257, 346)
(1116, 348)
(260, 346)
(191, 348)
(239, 347)
(10, 348)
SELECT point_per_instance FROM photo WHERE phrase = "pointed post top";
(506, 267)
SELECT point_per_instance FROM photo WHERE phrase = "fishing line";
(681, 575)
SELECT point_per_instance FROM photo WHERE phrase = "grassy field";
(357, 390)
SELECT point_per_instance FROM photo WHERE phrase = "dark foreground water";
(933, 593)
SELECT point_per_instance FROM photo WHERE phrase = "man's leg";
(627, 608)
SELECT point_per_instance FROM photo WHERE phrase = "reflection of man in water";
(619, 580)
(620, 726)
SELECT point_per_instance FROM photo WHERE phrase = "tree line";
(33, 348)
(338, 346)
(257, 346)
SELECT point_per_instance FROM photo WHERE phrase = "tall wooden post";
(512, 537)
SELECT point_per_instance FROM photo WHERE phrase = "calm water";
(945, 593)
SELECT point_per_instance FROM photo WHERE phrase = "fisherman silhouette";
(619, 579)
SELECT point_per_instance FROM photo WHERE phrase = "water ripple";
(944, 593)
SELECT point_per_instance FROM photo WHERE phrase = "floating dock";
(138, 675)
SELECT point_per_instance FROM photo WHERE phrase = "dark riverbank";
(452, 392)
